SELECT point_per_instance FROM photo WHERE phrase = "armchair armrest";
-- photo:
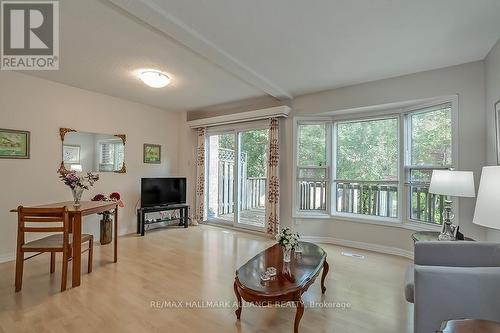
(443, 293)
(457, 254)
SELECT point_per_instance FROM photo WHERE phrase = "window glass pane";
(425, 206)
(253, 172)
(311, 146)
(377, 199)
(431, 137)
(221, 164)
(311, 195)
(311, 173)
(368, 150)
(421, 176)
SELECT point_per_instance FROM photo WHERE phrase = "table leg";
(326, 267)
(138, 221)
(186, 214)
(77, 250)
(298, 314)
(143, 224)
(238, 297)
(115, 243)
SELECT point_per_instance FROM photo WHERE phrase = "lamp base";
(447, 233)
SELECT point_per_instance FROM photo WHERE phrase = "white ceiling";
(102, 46)
(225, 50)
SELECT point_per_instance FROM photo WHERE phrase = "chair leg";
(64, 275)
(19, 269)
(52, 262)
(91, 252)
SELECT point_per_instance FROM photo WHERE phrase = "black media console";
(141, 216)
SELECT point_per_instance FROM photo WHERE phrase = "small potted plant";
(106, 229)
(77, 183)
(289, 240)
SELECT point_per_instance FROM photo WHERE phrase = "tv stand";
(141, 216)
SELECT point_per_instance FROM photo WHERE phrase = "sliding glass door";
(236, 182)
(252, 177)
(221, 170)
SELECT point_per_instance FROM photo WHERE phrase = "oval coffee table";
(291, 281)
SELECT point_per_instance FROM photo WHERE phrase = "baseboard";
(7, 257)
(359, 245)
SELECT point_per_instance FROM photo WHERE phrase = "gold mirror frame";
(62, 133)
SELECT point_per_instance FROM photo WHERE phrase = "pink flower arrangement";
(115, 196)
(73, 180)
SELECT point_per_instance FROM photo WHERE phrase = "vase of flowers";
(78, 183)
(106, 228)
(289, 240)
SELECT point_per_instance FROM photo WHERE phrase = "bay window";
(380, 166)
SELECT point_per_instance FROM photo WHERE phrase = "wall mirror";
(92, 152)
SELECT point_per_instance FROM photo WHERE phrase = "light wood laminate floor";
(192, 266)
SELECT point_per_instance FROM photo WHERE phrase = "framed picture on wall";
(14, 144)
(152, 154)
(497, 122)
(71, 154)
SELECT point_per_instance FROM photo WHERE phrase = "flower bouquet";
(289, 240)
(77, 183)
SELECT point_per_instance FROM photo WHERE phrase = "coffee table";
(291, 281)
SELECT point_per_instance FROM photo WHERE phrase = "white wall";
(492, 96)
(42, 107)
(468, 81)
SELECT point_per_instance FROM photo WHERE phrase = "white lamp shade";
(453, 183)
(487, 211)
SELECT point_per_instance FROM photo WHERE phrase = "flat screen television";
(162, 191)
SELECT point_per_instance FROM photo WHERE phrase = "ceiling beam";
(150, 13)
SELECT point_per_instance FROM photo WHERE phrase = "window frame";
(235, 130)
(408, 166)
(334, 212)
(296, 212)
(400, 110)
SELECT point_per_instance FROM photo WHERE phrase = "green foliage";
(368, 150)
(254, 145)
(311, 144)
(431, 138)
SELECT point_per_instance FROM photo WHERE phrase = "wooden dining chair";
(55, 220)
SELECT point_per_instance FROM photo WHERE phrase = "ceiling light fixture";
(153, 78)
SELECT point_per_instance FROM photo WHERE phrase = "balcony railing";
(312, 195)
(368, 198)
(425, 206)
(253, 190)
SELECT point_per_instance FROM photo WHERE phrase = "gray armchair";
(453, 280)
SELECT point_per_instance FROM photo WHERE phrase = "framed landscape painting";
(152, 154)
(14, 144)
(497, 122)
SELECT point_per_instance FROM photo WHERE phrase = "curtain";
(200, 178)
(273, 187)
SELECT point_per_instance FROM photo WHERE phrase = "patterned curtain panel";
(200, 178)
(273, 188)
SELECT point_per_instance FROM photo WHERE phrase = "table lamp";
(451, 184)
(487, 213)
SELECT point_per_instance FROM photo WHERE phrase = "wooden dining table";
(76, 214)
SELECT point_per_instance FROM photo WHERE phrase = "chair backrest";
(457, 254)
(56, 218)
